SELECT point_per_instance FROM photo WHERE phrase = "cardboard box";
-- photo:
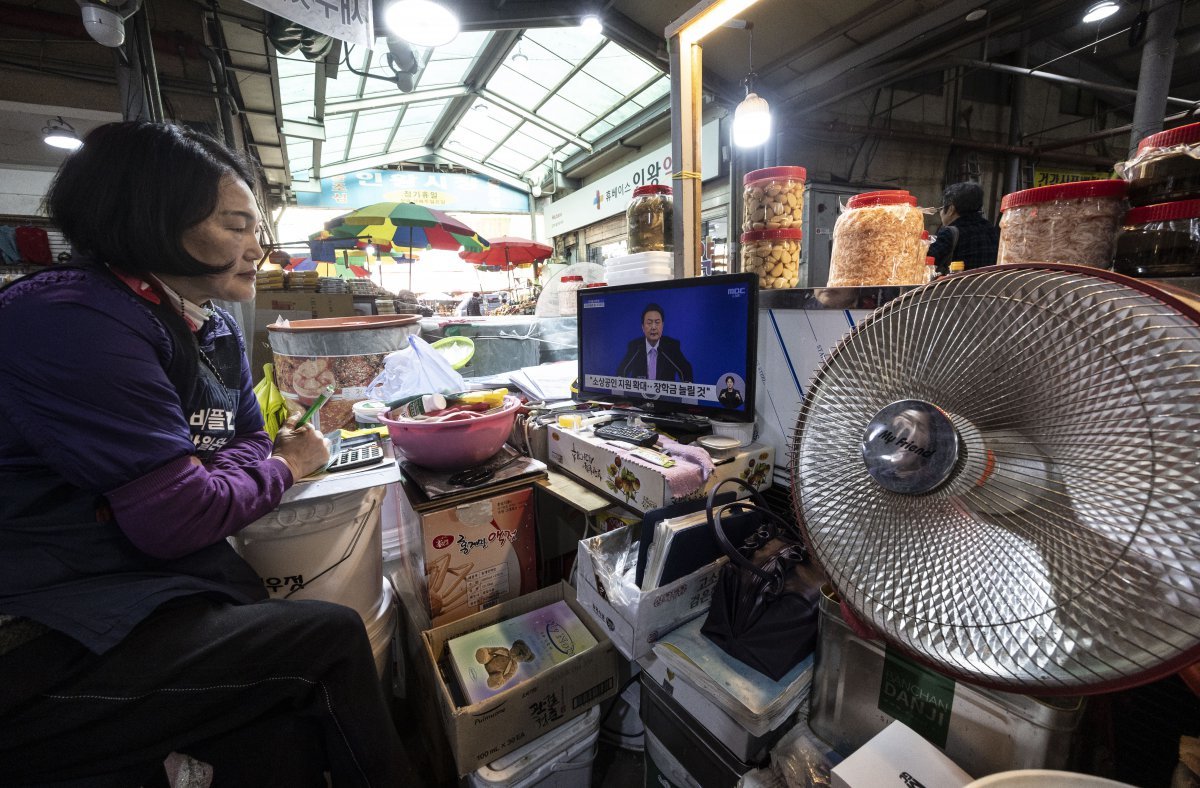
(639, 485)
(898, 757)
(481, 732)
(635, 628)
(469, 554)
(319, 304)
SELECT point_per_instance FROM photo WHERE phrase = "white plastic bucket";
(328, 548)
(560, 759)
(381, 628)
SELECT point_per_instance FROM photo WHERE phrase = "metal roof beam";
(502, 176)
(521, 112)
(376, 160)
(657, 110)
(302, 130)
(483, 69)
(396, 100)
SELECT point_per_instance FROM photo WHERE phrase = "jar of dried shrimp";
(877, 241)
(1073, 223)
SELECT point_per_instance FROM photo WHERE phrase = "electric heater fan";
(1000, 474)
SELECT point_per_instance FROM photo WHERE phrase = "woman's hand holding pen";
(303, 448)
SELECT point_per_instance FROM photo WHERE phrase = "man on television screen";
(653, 355)
(729, 396)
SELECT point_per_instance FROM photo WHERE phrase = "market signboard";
(609, 194)
(348, 20)
(446, 191)
(1045, 177)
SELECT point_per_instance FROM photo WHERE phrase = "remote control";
(639, 436)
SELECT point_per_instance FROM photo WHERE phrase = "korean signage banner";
(442, 190)
(348, 20)
(1045, 177)
(609, 194)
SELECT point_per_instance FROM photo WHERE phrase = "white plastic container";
(560, 759)
(566, 293)
(743, 431)
(328, 548)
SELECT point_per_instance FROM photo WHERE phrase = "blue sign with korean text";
(446, 191)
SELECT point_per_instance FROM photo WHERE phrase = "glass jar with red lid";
(649, 217)
(1073, 223)
(773, 198)
(1166, 167)
(877, 241)
(1160, 240)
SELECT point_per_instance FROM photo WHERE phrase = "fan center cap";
(910, 447)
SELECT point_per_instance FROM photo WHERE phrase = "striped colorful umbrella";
(508, 252)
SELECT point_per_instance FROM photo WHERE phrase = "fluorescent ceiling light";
(751, 122)
(421, 22)
(591, 25)
(1101, 10)
(60, 134)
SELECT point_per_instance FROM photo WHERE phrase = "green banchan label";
(917, 697)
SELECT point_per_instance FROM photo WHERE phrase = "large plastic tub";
(329, 548)
(561, 759)
(347, 352)
(983, 731)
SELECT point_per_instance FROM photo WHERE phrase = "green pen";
(326, 393)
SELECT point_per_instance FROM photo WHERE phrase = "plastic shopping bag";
(270, 401)
(416, 369)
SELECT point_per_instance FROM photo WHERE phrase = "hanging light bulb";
(60, 134)
(751, 122)
(1101, 10)
(591, 25)
(421, 22)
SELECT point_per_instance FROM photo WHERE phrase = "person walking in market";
(131, 446)
(965, 234)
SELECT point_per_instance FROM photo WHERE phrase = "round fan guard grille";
(999, 474)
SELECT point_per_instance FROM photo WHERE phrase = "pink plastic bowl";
(453, 445)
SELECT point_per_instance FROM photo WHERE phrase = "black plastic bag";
(764, 608)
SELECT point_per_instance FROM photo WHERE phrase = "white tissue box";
(898, 756)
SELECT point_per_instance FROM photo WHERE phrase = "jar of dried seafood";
(649, 219)
(1165, 168)
(773, 198)
(877, 241)
(774, 255)
(1072, 223)
(1160, 240)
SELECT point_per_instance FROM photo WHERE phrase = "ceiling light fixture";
(519, 56)
(60, 134)
(976, 15)
(752, 118)
(104, 20)
(1099, 11)
(421, 22)
(591, 25)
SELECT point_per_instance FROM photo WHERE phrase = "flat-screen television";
(681, 345)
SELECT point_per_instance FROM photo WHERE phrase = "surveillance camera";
(104, 20)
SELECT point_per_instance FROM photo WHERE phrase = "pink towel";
(692, 466)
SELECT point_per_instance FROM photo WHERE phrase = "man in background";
(475, 305)
(653, 355)
(965, 234)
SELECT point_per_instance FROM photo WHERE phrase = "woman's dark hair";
(127, 196)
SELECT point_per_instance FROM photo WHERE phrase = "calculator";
(639, 436)
(357, 452)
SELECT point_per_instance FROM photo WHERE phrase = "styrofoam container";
(328, 548)
(642, 258)
(616, 278)
(560, 759)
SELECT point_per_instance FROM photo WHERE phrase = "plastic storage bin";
(649, 217)
(1073, 223)
(773, 198)
(986, 731)
(560, 759)
(876, 241)
(774, 255)
(1166, 167)
(1160, 240)
(640, 267)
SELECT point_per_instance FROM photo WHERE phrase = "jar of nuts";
(649, 218)
(773, 198)
(774, 255)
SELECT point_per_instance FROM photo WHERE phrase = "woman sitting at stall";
(131, 446)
